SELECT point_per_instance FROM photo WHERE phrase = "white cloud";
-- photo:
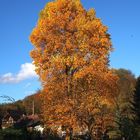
(26, 71)
(27, 85)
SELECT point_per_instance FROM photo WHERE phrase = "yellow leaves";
(77, 2)
(64, 37)
(105, 101)
(71, 48)
(91, 13)
(60, 4)
(34, 36)
(34, 54)
(81, 22)
(49, 9)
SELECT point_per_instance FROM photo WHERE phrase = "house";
(30, 121)
(10, 118)
(19, 120)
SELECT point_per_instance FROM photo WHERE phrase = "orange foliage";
(71, 57)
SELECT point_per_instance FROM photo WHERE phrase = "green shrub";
(11, 134)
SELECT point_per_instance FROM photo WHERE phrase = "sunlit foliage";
(71, 51)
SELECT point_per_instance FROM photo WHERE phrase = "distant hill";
(29, 105)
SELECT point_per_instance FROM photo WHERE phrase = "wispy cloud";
(26, 71)
(27, 85)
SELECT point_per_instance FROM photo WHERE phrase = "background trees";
(33, 103)
(124, 99)
(136, 107)
(124, 115)
(115, 114)
(24, 106)
(136, 103)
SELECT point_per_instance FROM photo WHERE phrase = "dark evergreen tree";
(136, 102)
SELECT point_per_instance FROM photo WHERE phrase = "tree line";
(122, 120)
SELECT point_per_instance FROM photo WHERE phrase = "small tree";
(136, 107)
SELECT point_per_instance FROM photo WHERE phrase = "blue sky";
(18, 18)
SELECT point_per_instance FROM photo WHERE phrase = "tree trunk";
(90, 129)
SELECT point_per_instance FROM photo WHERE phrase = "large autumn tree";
(71, 51)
